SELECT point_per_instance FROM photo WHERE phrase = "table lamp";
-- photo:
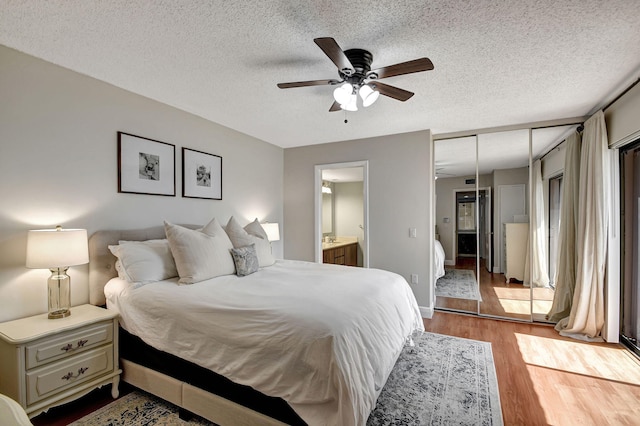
(57, 250)
(272, 230)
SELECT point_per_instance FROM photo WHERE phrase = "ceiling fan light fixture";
(342, 94)
(368, 95)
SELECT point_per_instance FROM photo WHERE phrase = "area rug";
(440, 380)
(459, 284)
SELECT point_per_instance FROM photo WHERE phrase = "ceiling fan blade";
(391, 91)
(306, 83)
(417, 65)
(335, 107)
(334, 52)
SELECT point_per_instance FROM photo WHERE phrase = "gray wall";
(400, 197)
(58, 165)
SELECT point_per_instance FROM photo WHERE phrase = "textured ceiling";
(496, 62)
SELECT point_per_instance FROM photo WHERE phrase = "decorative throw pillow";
(246, 260)
(253, 233)
(200, 254)
(144, 261)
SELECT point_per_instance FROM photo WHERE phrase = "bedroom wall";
(58, 165)
(400, 193)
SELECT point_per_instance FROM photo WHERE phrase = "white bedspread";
(439, 260)
(322, 337)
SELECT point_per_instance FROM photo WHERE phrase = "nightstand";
(48, 362)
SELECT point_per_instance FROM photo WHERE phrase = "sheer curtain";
(535, 270)
(587, 311)
(565, 278)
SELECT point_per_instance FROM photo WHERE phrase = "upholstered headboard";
(102, 263)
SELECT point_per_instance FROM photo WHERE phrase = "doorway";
(342, 213)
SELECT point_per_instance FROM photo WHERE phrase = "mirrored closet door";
(457, 224)
(547, 183)
(503, 175)
(498, 198)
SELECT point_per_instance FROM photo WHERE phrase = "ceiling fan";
(357, 77)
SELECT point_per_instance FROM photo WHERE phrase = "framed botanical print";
(201, 175)
(146, 166)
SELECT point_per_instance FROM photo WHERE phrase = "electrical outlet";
(413, 233)
(414, 278)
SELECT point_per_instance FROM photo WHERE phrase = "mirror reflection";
(456, 225)
(503, 160)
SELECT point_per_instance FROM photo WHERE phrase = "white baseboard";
(450, 262)
(426, 312)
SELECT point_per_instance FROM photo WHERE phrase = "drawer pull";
(70, 374)
(69, 347)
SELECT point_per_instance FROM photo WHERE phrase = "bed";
(438, 264)
(292, 343)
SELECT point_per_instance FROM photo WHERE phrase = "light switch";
(413, 233)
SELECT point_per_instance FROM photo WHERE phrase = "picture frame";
(201, 175)
(146, 166)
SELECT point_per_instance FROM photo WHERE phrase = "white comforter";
(322, 337)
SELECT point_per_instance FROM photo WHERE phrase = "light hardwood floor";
(500, 298)
(547, 379)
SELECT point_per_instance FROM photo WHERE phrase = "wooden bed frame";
(205, 404)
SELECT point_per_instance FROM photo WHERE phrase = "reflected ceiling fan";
(357, 77)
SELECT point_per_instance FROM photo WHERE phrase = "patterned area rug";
(441, 380)
(459, 284)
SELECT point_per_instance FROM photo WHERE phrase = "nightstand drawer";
(68, 344)
(48, 380)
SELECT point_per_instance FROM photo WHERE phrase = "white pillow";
(253, 233)
(200, 254)
(144, 261)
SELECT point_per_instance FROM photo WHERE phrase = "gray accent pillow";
(246, 260)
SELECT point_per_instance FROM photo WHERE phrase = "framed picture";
(146, 166)
(201, 175)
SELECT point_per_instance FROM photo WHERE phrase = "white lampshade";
(57, 248)
(368, 95)
(272, 230)
(352, 104)
(343, 93)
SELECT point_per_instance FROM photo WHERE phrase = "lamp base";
(59, 289)
(59, 314)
